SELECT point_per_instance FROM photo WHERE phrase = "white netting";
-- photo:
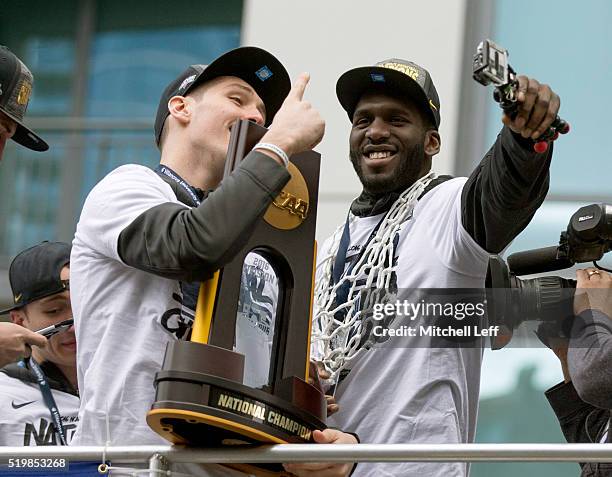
(339, 327)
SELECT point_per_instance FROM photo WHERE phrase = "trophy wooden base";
(201, 401)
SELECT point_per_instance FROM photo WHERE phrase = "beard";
(408, 170)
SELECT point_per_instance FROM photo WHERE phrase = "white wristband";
(275, 149)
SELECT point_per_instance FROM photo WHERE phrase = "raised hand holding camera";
(530, 108)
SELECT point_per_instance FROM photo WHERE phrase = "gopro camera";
(491, 65)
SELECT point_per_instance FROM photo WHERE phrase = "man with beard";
(411, 230)
(15, 88)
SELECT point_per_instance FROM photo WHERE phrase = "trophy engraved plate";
(202, 395)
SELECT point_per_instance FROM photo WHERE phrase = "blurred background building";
(100, 66)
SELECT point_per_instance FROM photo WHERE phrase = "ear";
(432, 142)
(179, 108)
(17, 317)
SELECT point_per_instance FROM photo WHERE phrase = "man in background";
(16, 83)
(39, 400)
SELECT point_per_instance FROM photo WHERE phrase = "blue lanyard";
(161, 169)
(48, 398)
(338, 269)
(190, 289)
(339, 262)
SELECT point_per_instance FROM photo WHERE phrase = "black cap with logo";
(260, 69)
(15, 88)
(35, 273)
(400, 76)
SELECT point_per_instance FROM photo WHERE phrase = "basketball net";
(341, 330)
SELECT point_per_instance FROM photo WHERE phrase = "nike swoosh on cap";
(17, 406)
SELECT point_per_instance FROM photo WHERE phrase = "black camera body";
(490, 66)
(512, 300)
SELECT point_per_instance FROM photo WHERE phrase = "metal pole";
(402, 453)
(73, 162)
(330, 453)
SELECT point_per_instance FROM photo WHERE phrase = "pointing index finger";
(299, 86)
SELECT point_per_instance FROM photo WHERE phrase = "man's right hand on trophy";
(297, 126)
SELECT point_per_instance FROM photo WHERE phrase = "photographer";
(582, 403)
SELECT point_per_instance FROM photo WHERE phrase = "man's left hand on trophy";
(317, 373)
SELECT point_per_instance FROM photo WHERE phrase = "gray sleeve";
(179, 243)
(590, 358)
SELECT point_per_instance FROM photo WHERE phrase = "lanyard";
(180, 181)
(338, 268)
(48, 398)
(339, 262)
(190, 290)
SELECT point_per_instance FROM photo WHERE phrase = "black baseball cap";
(260, 69)
(400, 76)
(35, 273)
(16, 83)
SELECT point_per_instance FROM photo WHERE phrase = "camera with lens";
(511, 300)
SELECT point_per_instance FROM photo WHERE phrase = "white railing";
(158, 457)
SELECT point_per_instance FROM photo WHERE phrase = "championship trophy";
(201, 395)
